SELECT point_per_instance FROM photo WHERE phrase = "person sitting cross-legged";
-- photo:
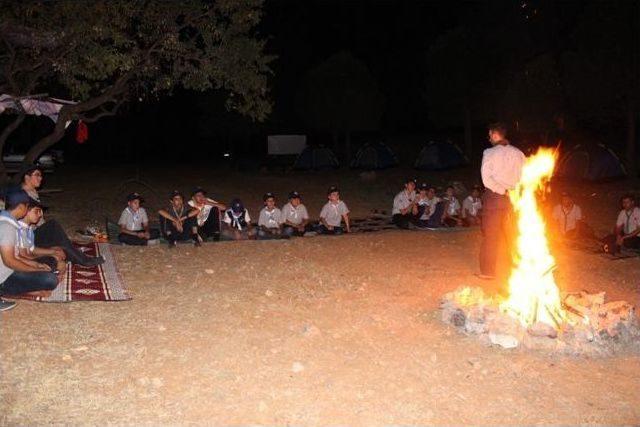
(428, 207)
(270, 219)
(627, 230)
(134, 223)
(236, 223)
(569, 221)
(178, 222)
(452, 208)
(19, 275)
(402, 212)
(54, 257)
(294, 216)
(472, 208)
(333, 213)
(209, 213)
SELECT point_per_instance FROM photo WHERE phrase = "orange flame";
(533, 294)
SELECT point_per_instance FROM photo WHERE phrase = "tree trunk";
(47, 141)
(3, 139)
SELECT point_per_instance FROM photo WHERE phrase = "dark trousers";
(169, 231)
(403, 221)
(130, 240)
(435, 220)
(20, 282)
(612, 247)
(324, 230)
(211, 227)
(290, 231)
(496, 218)
(52, 234)
(48, 260)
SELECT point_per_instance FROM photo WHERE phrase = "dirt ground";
(323, 330)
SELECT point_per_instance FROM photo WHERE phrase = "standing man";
(501, 170)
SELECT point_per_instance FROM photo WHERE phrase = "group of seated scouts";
(424, 209)
(203, 218)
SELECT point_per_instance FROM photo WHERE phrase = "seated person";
(402, 212)
(568, 218)
(333, 213)
(472, 208)
(428, 207)
(237, 223)
(627, 231)
(53, 257)
(134, 223)
(177, 222)
(452, 208)
(209, 212)
(294, 216)
(49, 233)
(270, 219)
(19, 275)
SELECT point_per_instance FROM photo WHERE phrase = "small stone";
(162, 328)
(209, 271)
(268, 293)
(310, 331)
(297, 367)
(81, 348)
(503, 340)
(67, 358)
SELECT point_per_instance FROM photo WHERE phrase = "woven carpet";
(99, 283)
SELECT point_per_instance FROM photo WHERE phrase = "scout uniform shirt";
(471, 206)
(270, 218)
(567, 220)
(430, 207)
(629, 220)
(453, 205)
(332, 213)
(133, 221)
(402, 201)
(294, 215)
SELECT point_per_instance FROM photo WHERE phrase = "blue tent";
(440, 155)
(593, 162)
(373, 156)
(316, 158)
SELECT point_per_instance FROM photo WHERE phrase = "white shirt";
(402, 201)
(501, 168)
(294, 215)
(270, 218)
(133, 221)
(567, 220)
(26, 237)
(629, 221)
(430, 207)
(229, 213)
(471, 206)
(332, 213)
(453, 205)
(205, 210)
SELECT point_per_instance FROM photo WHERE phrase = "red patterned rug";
(99, 283)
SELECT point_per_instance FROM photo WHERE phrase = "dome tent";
(440, 155)
(373, 156)
(593, 162)
(316, 158)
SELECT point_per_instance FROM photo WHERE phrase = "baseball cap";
(134, 196)
(423, 186)
(294, 195)
(332, 189)
(16, 195)
(268, 196)
(237, 206)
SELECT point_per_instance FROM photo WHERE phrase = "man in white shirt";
(568, 217)
(428, 208)
(270, 219)
(501, 170)
(627, 231)
(472, 208)
(294, 216)
(402, 212)
(333, 213)
(209, 214)
(134, 223)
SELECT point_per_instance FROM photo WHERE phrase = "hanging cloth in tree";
(82, 132)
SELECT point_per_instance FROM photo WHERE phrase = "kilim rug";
(99, 283)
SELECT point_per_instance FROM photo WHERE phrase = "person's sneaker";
(93, 261)
(6, 305)
(172, 244)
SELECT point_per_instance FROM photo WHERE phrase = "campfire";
(535, 314)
